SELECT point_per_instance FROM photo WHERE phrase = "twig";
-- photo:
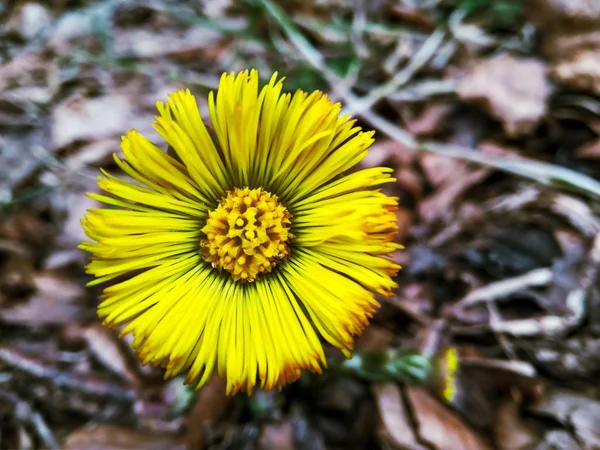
(588, 283)
(421, 57)
(522, 368)
(504, 288)
(547, 326)
(578, 213)
(26, 415)
(419, 91)
(65, 380)
(496, 317)
(359, 23)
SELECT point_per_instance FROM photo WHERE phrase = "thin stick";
(504, 288)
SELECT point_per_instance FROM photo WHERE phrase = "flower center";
(247, 234)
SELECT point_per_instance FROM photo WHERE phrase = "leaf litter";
(500, 270)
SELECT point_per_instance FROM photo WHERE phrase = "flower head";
(246, 242)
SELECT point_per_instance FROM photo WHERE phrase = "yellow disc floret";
(247, 234)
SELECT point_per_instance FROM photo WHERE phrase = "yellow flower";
(245, 241)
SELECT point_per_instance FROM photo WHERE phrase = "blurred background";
(487, 110)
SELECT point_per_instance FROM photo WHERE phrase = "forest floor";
(488, 112)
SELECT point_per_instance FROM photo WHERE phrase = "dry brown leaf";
(413, 15)
(511, 431)
(388, 152)
(567, 39)
(570, 39)
(95, 153)
(414, 299)
(26, 69)
(409, 181)
(78, 203)
(374, 338)
(277, 436)
(440, 203)
(590, 150)
(102, 437)
(438, 426)
(567, 12)
(343, 396)
(558, 440)
(77, 26)
(210, 404)
(586, 424)
(580, 71)
(56, 300)
(28, 20)
(429, 121)
(105, 348)
(575, 410)
(405, 220)
(515, 90)
(84, 119)
(558, 403)
(395, 427)
(16, 274)
(27, 228)
(142, 43)
(21, 106)
(440, 169)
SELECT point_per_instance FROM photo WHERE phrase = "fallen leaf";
(385, 152)
(277, 436)
(142, 43)
(581, 71)
(374, 338)
(76, 204)
(20, 107)
(210, 404)
(27, 228)
(440, 169)
(440, 203)
(558, 440)
(101, 437)
(19, 164)
(413, 15)
(575, 410)
(343, 395)
(585, 421)
(83, 119)
(395, 427)
(76, 26)
(94, 153)
(591, 150)
(416, 300)
(16, 274)
(26, 69)
(511, 431)
(568, 13)
(515, 91)
(56, 300)
(569, 33)
(28, 20)
(429, 121)
(105, 348)
(408, 180)
(438, 426)
(558, 403)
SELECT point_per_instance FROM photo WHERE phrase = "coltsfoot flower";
(246, 244)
